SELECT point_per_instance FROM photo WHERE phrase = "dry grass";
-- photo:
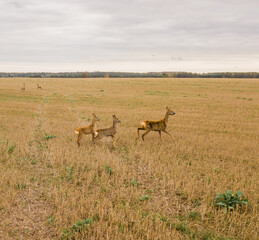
(47, 184)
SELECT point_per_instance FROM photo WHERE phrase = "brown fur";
(107, 132)
(39, 87)
(23, 88)
(90, 129)
(159, 126)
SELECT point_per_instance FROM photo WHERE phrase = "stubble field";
(51, 189)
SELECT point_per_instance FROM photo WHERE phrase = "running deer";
(39, 87)
(23, 88)
(107, 132)
(158, 126)
(90, 129)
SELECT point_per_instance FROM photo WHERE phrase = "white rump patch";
(77, 132)
(143, 124)
(95, 134)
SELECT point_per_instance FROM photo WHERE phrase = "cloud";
(145, 34)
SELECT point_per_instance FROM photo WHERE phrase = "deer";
(107, 132)
(90, 129)
(23, 88)
(159, 126)
(39, 87)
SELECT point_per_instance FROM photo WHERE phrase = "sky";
(129, 35)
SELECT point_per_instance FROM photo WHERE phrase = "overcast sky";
(129, 35)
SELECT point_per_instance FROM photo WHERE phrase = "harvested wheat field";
(52, 189)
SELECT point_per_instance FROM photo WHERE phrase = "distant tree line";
(132, 75)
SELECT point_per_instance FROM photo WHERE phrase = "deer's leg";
(138, 132)
(159, 134)
(80, 135)
(96, 138)
(169, 134)
(93, 134)
(113, 140)
(145, 133)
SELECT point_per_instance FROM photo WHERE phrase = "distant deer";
(39, 87)
(23, 88)
(90, 129)
(107, 132)
(158, 126)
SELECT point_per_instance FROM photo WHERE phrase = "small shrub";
(230, 201)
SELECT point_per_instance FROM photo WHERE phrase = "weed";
(134, 182)
(69, 173)
(144, 214)
(149, 191)
(194, 215)
(21, 186)
(204, 235)
(1, 126)
(230, 201)
(82, 225)
(34, 161)
(47, 137)
(33, 179)
(183, 227)
(108, 169)
(195, 202)
(50, 220)
(248, 99)
(67, 234)
(96, 217)
(121, 227)
(163, 218)
(143, 198)
(123, 203)
(130, 224)
(11, 149)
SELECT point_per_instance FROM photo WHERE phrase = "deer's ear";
(113, 115)
(93, 114)
(167, 108)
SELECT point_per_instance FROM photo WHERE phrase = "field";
(51, 189)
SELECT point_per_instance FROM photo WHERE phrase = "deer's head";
(169, 111)
(95, 118)
(115, 119)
